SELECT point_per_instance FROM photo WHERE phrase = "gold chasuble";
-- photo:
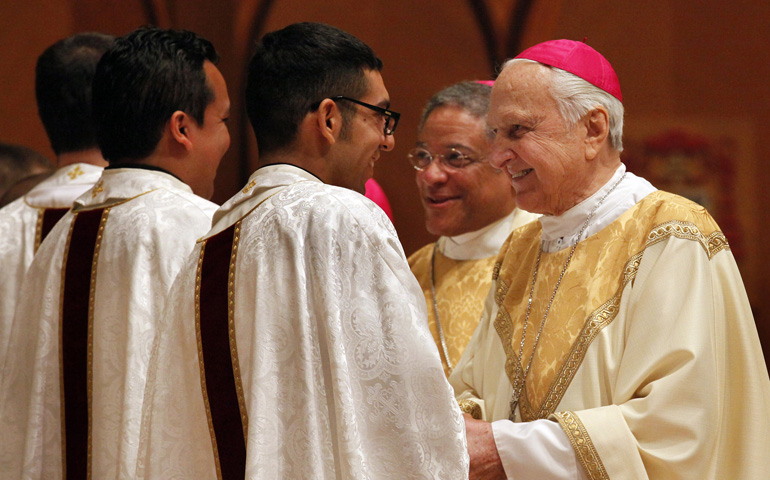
(461, 286)
(649, 358)
(589, 295)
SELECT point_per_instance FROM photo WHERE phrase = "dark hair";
(63, 78)
(141, 81)
(295, 68)
(473, 97)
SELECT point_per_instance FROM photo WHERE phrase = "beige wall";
(703, 68)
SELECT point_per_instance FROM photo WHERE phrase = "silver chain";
(519, 381)
(444, 349)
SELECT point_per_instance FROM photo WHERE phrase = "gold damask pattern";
(590, 294)
(461, 287)
(582, 444)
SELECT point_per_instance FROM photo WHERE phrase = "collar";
(141, 166)
(561, 231)
(266, 181)
(118, 185)
(63, 186)
(484, 242)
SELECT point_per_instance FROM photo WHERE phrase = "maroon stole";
(46, 219)
(218, 356)
(76, 337)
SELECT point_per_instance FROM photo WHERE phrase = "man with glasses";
(297, 344)
(471, 205)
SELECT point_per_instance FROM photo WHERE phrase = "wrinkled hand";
(485, 461)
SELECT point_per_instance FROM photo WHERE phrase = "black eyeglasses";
(391, 117)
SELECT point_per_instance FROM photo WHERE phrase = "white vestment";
(649, 360)
(335, 370)
(148, 223)
(21, 222)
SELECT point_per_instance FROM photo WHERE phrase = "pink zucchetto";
(579, 59)
(489, 83)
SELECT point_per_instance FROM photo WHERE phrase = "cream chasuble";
(295, 346)
(650, 359)
(463, 275)
(71, 401)
(23, 225)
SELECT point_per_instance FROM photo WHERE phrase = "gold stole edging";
(581, 443)
(232, 342)
(39, 230)
(231, 330)
(201, 367)
(90, 340)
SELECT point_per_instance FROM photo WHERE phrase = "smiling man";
(470, 204)
(297, 345)
(71, 401)
(617, 340)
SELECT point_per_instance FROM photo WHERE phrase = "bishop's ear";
(597, 122)
(179, 128)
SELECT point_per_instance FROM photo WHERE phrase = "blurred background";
(694, 79)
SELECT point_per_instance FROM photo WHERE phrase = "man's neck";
(305, 162)
(91, 156)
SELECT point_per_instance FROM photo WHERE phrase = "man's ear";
(597, 123)
(329, 120)
(179, 128)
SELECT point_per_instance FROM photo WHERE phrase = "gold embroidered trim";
(75, 172)
(470, 407)
(90, 348)
(231, 331)
(596, 321)
(713, 244)
(201, 367)
(249, 186)
(582, 444)
(39, 228)
(61, 349)
(98, 188)
(496, 270)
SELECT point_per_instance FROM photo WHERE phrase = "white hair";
(575, 97)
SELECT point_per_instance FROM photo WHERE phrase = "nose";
(433, 173)
(388, 143)
(499, 155)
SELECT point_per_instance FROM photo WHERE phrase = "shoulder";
(527, 234)
(182, 202)
(663, 215)
(421, 257)
(338, 207)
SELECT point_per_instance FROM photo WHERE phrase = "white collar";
(484, 242)
(263, 183)
(561, 231)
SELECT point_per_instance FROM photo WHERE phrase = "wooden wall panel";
(26, 29)
(675, 61)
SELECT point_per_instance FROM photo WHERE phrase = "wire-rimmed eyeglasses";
(421, 158)
(390, 117)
